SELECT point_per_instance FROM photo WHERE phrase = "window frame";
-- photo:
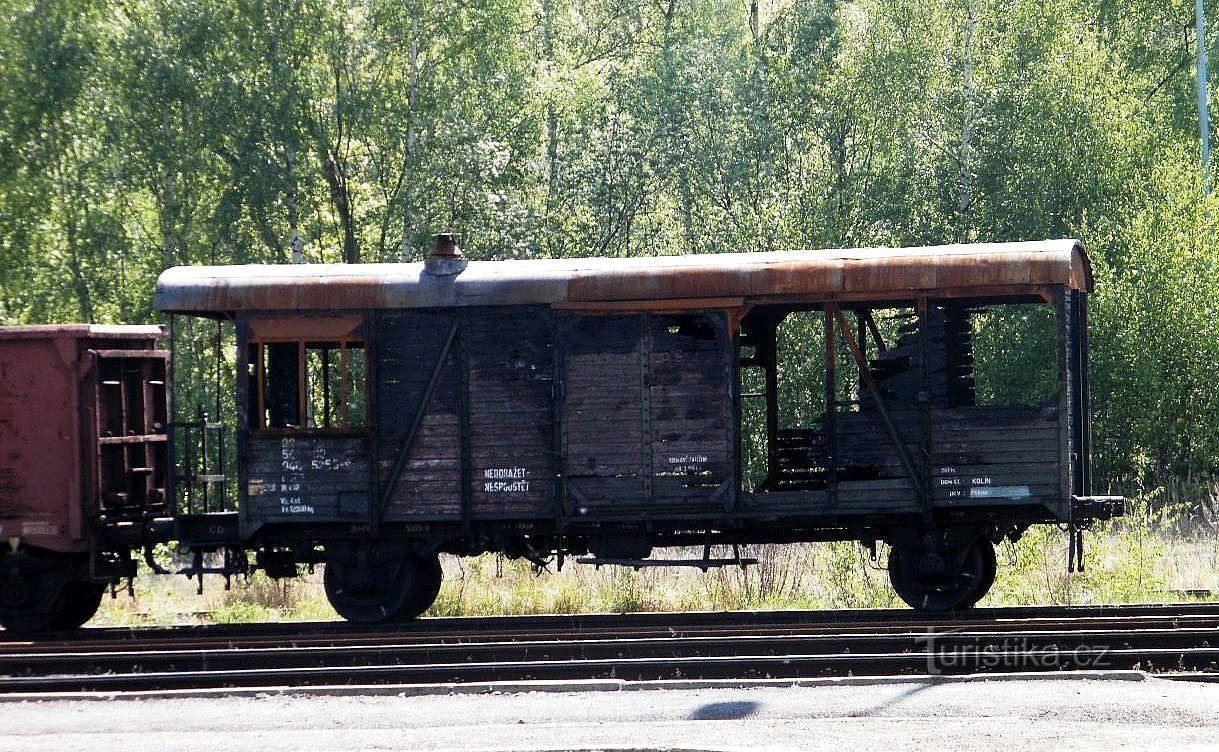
(256, 357)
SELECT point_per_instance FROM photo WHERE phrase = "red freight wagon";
(84, 461)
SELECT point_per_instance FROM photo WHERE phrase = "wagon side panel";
(417, 367)
(307, 478)
(689, 396)
(603, 411)
(40, 463)
(979, 457)
(511, 436)
(647, 412)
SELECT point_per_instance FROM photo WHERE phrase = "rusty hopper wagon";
(604, 407)
(83, 465)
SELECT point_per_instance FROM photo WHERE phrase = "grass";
(1140, 558)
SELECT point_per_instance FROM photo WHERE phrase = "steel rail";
(581, 648)
(645, 668)
(739, 646)
(659, 620)
(401, 635)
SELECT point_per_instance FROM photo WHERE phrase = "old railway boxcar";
(935, 399)
(83, 465)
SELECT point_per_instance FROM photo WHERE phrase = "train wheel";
(81, 601)
(427, 587)
(988, 576)
(32, 592)
(370, 592)
(943, 580)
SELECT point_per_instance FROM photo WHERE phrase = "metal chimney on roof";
(445, 259)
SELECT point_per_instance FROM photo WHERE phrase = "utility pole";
(1204, 124)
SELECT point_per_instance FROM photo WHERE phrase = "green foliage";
(155, 133)
(1124, 562)
(1015, 360)
(1156, 334)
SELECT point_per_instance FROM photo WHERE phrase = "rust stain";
(882, 273)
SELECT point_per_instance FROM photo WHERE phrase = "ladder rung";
(210, 478)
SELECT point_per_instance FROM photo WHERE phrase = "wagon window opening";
(978, 354)
(323, 384)
(314, 386)
(1015, 355)
(281, 386)
(783, 397)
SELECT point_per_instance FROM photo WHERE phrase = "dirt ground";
(1059, 714)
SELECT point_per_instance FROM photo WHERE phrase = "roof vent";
(445, 259)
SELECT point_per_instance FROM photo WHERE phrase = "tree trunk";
(410, 167)
(965, 189)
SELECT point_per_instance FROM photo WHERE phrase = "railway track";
(737, 645)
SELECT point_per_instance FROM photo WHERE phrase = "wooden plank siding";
(647, 412)
(507, 357)
(979, 456)
(295, 478)
(514, 464)
(603, 425)
(408, 346)
(646, 406)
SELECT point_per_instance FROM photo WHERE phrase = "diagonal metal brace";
(866, 375)
(407, 441)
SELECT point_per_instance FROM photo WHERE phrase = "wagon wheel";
(32, 594)
(370, 592)
(940, 581)
(81, 601)
(988, 576)
(427, 587)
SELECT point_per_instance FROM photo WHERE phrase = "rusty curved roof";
(877, 273)
(82, 331)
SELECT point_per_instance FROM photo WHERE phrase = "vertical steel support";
(241, 386)
(204, 451)
(924, 405)
(645, 404)
(861, 336)
(1085, 396)
(326, 385)
(463, 407)
(768, 354)
(558, 396)
(732, 409)
(219, 348)
(222, 491)
(242, 335)
(1065, 397)
(171, 381)
(734, 382)
(372, 322)
(1081, 479)
(831, 407)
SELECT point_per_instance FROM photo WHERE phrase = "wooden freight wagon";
(83, 465)
(608, 406)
